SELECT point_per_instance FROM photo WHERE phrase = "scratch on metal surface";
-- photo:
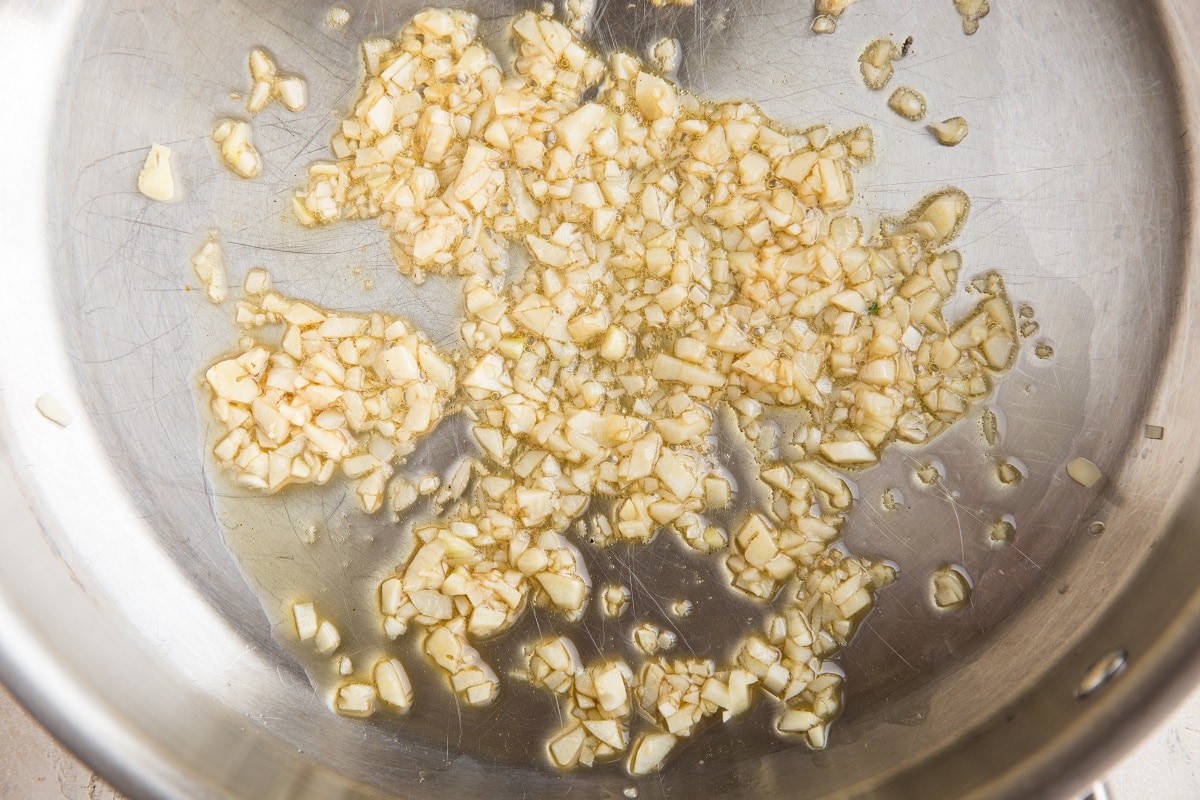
(867, 624)
(884, 528)
(1026, 557)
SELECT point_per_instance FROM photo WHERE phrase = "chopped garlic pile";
(471, 679)
(764, 555)
(339, 391)
(595, 703)
(672, 692)
(683, 256)
(787, 661)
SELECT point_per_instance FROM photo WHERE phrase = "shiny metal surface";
(128, 626)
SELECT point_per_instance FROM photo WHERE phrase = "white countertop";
(35, 767)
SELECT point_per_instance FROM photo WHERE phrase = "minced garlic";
(339, 392)
(665, 55)
(971, 12)
(267, 84)
(826, 14)
(684, 256)
(875, 63)
(48, 406)
(950, 132)
(236, 146)
(337, 17)
(155, 180)
(209, 266)
(596, 703)
(908, 103)
(1084, 472)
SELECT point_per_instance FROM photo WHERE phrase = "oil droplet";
(950, 587)
(1043, 351)
(928, 474)
(1096, 528)
(1002, 531)
(1010, 472)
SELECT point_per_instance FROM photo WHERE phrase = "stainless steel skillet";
(130, 629)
